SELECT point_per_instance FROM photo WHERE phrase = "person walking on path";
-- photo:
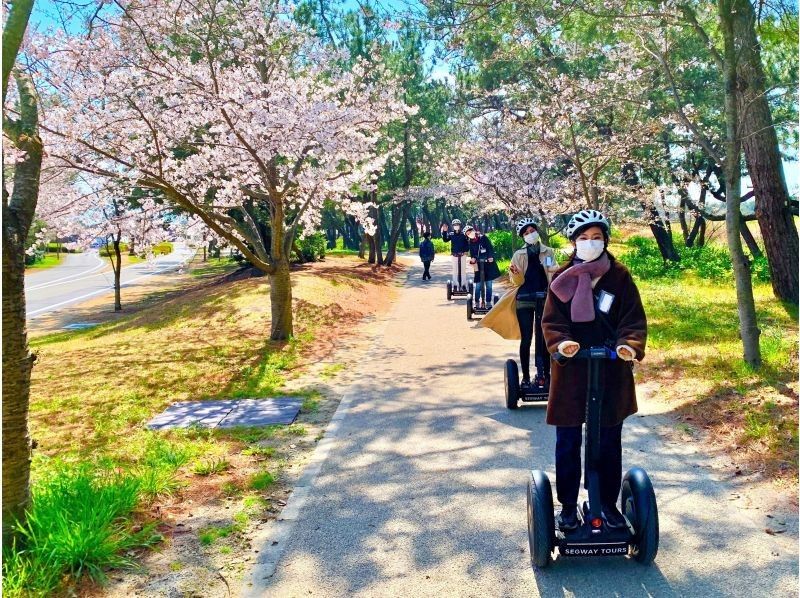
(482, 250)
(592, 302)
(518, 314)
(459, 247)
(427, 253)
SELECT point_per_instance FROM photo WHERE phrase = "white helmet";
(523, 222)
(586, 218)
(455, 221)
(468, 228)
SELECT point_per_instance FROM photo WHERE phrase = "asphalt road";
(85, 275)
(423, 492)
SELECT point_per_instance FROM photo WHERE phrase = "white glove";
(568, 348)
(626, 352)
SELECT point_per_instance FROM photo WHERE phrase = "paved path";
(423, 490)
(85, 275)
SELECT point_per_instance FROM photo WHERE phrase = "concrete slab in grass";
(262, 412)
(207, 414)
(228, 413)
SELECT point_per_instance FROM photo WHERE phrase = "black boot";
(568, 518)
(613, 517)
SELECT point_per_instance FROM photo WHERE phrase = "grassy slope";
(93, 390)
(695, 354)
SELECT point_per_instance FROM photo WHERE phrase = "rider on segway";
(592, 302)
(481, 249)
(518, 315)
(459, 248)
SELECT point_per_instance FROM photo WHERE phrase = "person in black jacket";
(427, 253)
(459, 248)
(481, 250)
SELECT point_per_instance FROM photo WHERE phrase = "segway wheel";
(449, 290)
(496, 299)
(469, 309)
(471, 288)
(639, 506)
(511, 379)
(541, 525)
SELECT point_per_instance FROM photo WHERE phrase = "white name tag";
(548, 260)
(605, 301)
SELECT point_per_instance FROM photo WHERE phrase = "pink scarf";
(576, 283)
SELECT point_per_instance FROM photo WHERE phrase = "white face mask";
(589, 250)
(456, 228)
(471, 235)
(531, 238)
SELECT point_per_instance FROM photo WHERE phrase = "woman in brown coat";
(592, 301)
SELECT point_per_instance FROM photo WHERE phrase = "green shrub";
(501, 241)
(312, 247)
(644, 260)
(760, 268)
(709, 262)
(441, 247)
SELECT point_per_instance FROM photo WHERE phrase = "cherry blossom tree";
(227, 108)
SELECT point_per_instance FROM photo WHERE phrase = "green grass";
(261, 481)
(215, 266)
(80, 524)
(93, 390)
(48, 261)
(208, 467)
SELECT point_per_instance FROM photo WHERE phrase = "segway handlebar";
(590, 353)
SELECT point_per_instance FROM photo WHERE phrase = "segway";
(594, 537)
(473, 307)
(533, 393)
(460, 291)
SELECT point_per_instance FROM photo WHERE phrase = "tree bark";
(18, 211)
(280, 285)
(280, 294)
(116, 268)
(762, 154)
(399, 216)
(748, 327)
(752, 246)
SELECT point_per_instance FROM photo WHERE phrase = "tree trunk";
(752, 246)
(748, 327)
(662, 233)
(399, 216)
(280, 285)
(762, 154)
(373, 256)
(18, 211)
(412, 220)
(280, 294)
(362, 247)
(117, 275)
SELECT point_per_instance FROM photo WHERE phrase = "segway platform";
(638, 538)
(516, 392)
(473, 306)
(461, 289)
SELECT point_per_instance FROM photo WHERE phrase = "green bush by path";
(312, 247)
(709, 262)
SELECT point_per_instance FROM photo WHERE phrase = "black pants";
(426, 275)
(568, 464)
(530, 327)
